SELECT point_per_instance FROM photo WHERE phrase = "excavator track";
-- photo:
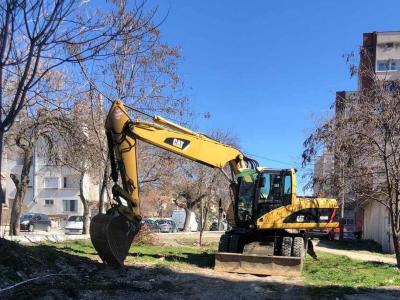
(112, 236)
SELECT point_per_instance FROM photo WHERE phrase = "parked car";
(151, 225)
(74, 225)
(167, 225)
(35, 221)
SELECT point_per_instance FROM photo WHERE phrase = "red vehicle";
(331, 234)
(334, 234)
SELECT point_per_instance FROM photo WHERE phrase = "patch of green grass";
(342, 271)
(180, 256)
(78, 248)
(159, 256)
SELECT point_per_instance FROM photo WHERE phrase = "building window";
(388, 65)
(65, 182)
(49, 202)
(51, 182)
(389, 45)
(70, 205)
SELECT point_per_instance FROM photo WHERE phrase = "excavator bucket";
(258, 264)
(112, 236)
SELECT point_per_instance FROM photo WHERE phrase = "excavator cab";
(275, 190)
(261, 191)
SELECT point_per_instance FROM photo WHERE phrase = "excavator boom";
(112, 233)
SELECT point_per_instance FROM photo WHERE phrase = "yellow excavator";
(269, 222)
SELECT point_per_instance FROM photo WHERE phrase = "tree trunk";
(16, 214)
(396, 243)
(85, 202)
(103, 189)
(219, 226)
(203, 223)
(21, 187)
(2, 194)
(186, 226)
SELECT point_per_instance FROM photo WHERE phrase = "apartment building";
(380, 54)
(323, 174)
(52, 190)
(380, 57)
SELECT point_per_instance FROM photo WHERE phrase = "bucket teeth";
(112, 236)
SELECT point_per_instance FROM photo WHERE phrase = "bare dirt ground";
(79, 277)
(91, 280)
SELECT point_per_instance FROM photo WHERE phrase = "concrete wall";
(377, 226)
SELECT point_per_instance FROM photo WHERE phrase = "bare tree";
(40, 36)
(199, 185)
(143, 73)
(23, 138)
(155, 203)
(75, 145)
(367, 138)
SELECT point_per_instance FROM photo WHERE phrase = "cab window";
(275, 189)
(287, 185)
(287, 189)
(270, 187)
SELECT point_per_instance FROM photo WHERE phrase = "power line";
(270, 159)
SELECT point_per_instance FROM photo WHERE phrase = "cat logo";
(178, 143)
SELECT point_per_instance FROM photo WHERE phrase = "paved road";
(55, 235)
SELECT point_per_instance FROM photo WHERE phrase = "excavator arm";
(112, 233)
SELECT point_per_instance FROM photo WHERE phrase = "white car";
(74, 225)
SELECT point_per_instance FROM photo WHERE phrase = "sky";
(267, 71)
